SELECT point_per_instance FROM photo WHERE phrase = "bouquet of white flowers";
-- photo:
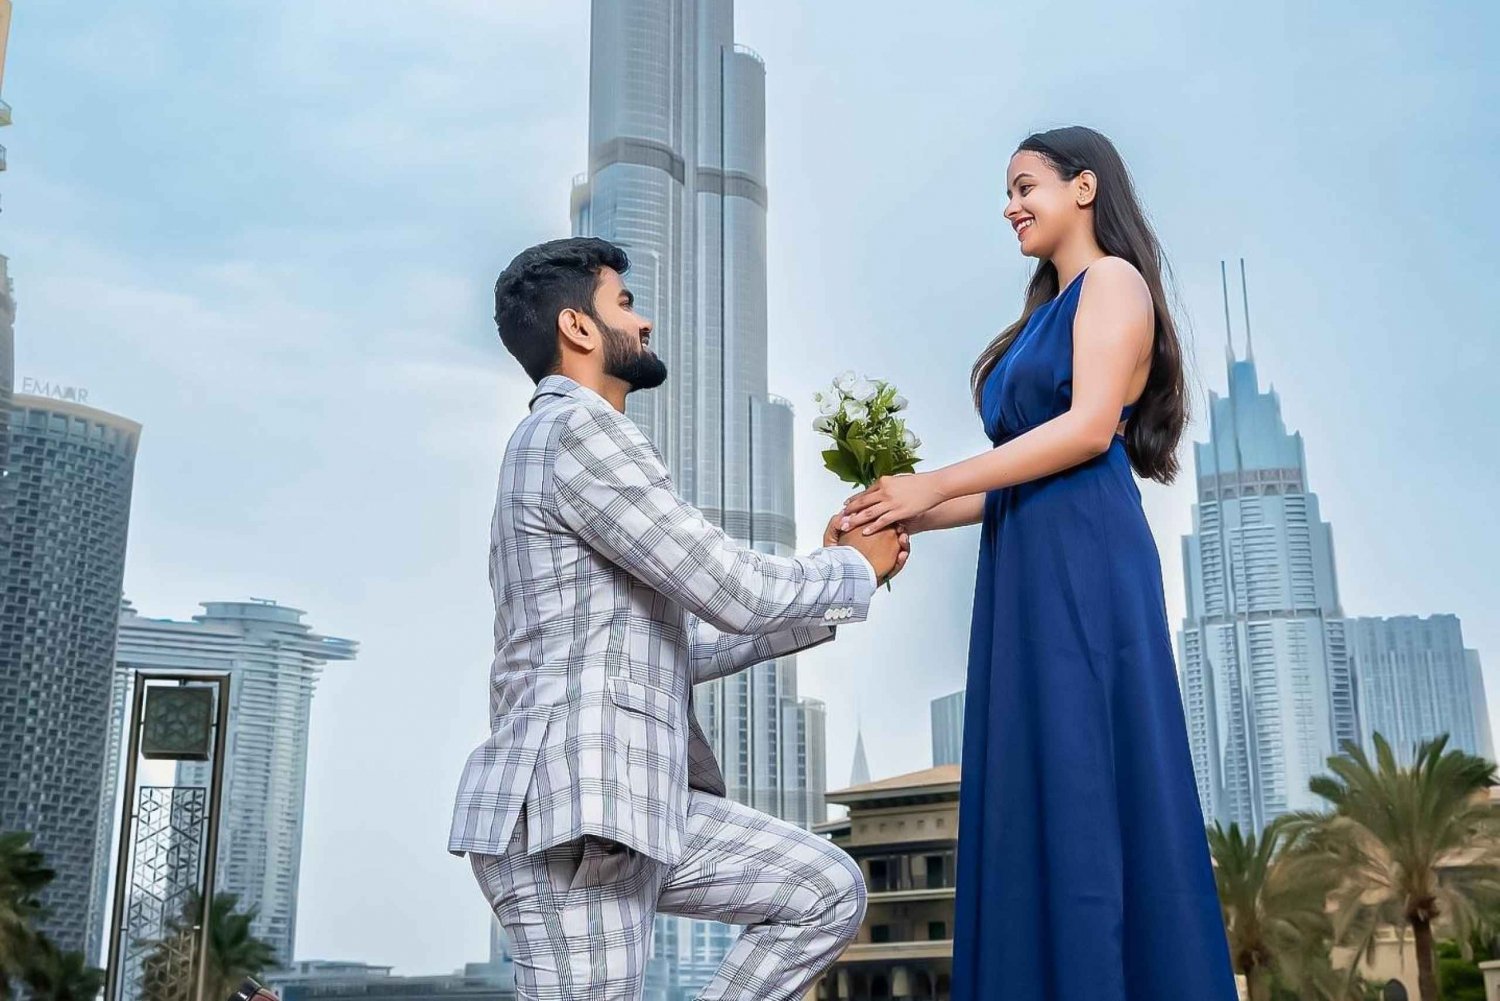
(869, 439)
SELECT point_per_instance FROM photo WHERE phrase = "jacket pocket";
(634, 696)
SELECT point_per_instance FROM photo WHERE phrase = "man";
(596, 802)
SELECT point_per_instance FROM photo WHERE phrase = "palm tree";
(1308, 975)
(54, 975)
(23, 875)
(234, 953)
(1410, 845)
(1275, 906)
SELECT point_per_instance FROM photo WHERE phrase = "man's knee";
(847, 902)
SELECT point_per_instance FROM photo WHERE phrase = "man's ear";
(576, 330)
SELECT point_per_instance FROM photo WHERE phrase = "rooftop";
(929, 781)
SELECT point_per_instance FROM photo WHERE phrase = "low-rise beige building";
(903, 832)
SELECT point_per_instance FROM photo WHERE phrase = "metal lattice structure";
(165, 871)
(164, 879)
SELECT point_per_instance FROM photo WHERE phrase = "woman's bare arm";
(953, 513)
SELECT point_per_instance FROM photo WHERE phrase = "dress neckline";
(1070, 284)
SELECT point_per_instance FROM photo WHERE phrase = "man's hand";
(887, 550)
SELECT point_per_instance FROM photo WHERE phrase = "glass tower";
(948, 729)
(65, 507)
(1416, 681)
(677, 178)
(274, 661)
(1262, 656)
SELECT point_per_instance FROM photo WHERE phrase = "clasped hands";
(886, 550)
(877, 520)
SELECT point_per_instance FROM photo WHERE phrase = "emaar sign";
(54, 390)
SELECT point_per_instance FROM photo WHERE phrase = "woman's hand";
(832, 534)
(891, 499)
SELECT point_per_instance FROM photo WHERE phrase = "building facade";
(948, 729)
(65, 502)
(1476, 681)
(7, 373)
(677, 178)
(903, 832)
(321, 980)
(1416, 681)
(1262, 657)
(274, 661)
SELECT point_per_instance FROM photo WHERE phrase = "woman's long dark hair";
(1157, 423)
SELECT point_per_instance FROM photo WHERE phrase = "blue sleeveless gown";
(1083, 868)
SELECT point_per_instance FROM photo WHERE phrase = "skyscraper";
(274, 661)
(66, 504)
(1415, 682)
(805, 733)
(1476, 681)
(7, 385)
(948, 729)
(676, 176)
(1264, 672)
(4, 38)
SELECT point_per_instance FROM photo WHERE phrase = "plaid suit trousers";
(580, 915)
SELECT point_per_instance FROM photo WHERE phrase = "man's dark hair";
(541, 282)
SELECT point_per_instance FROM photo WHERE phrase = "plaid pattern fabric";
(580, 915)
(613, 596)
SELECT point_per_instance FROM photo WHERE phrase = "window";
(880, 933)
(937, 930)
(936, 871)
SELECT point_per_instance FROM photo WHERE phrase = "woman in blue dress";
(1083, 867)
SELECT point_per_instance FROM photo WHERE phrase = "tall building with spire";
(859, 772)
(677, 178)
(1264, 669)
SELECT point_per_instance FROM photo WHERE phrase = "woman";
(1083, 868)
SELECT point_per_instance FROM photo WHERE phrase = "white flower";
(845, 382)
(899, 403)
(823, 425)
(864, 390)
(828, 405)
(910, 440)
(855, 411)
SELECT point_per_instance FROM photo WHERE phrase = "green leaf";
(842, 465)
(857, 446)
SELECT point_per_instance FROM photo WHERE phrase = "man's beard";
(626, 360)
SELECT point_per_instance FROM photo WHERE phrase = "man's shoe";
(249, 990)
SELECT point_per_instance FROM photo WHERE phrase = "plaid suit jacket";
(613, 597)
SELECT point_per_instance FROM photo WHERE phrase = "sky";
(268, 232)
